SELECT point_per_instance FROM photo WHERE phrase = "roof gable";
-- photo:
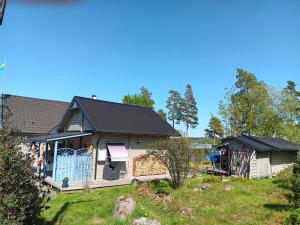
(110, 117)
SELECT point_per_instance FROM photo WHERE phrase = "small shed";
(254, 157)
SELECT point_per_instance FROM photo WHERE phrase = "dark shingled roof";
(265, 143)
(111, 117)
(32, 115)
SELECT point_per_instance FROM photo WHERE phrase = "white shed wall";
(281, 160)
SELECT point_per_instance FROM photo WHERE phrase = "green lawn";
(251, 202)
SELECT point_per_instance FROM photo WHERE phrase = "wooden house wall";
(136, 146)
(242, 160)
(281, 160)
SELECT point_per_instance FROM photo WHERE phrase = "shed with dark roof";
(254, 156)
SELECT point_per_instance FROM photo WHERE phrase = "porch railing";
(74, 164)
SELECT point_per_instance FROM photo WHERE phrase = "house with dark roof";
(31, 116)
(101, 142)
(254, 157)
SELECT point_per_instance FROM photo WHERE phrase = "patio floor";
(80, 185)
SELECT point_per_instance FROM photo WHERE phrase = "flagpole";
(1, 95)
(2, 77)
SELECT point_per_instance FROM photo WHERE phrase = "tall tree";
(291, 88)
(174, 104)
(144, 98)
(162, 114)
(189, 109)
(289, 112)
(215, 128)
(248, 107)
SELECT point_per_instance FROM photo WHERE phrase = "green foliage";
(189, 109)
(174, 105)
(253, 107)
(19, 196)
(162, 186)
(175, 154)
(295, 217)
(283, 178)
(211, 179)
(294, 196)
(215, 128)
(248, 106)
(162, 114)
(289, 112)
(144, 98)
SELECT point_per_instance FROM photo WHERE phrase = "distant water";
(207, 154)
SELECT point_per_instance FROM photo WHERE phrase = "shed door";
(263, 164)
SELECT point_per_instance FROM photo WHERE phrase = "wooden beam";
(54, 161)
(45, 159)
(38, 168)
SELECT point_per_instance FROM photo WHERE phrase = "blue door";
(74, 164)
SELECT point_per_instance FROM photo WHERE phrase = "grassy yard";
(250, 202)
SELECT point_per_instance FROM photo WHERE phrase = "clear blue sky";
(111, 48)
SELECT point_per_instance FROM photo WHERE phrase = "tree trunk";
(187, 130)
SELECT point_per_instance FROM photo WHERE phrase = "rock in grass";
(145, 221)
(228, 187)
(184, 211)
(124, 206)
(205, 186)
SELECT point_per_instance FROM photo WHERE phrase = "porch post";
(45, 159)
(54, 161)
(38, 160)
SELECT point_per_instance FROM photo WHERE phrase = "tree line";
(253, 107)
(180, 109)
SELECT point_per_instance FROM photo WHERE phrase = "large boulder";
(124, 206)
(145, 221)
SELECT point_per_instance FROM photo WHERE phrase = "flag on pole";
(2, 66)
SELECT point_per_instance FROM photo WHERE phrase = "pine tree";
(174, 106)
(289, 112)
(215, 128)
(190, 109)
(291, 88)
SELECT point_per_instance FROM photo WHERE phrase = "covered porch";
(74, 156)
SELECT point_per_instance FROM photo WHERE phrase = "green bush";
(175, 154)
(294, 196)
(19, 196)
(162, 187)
(211, 179)
(295, 217)
(283, 178)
